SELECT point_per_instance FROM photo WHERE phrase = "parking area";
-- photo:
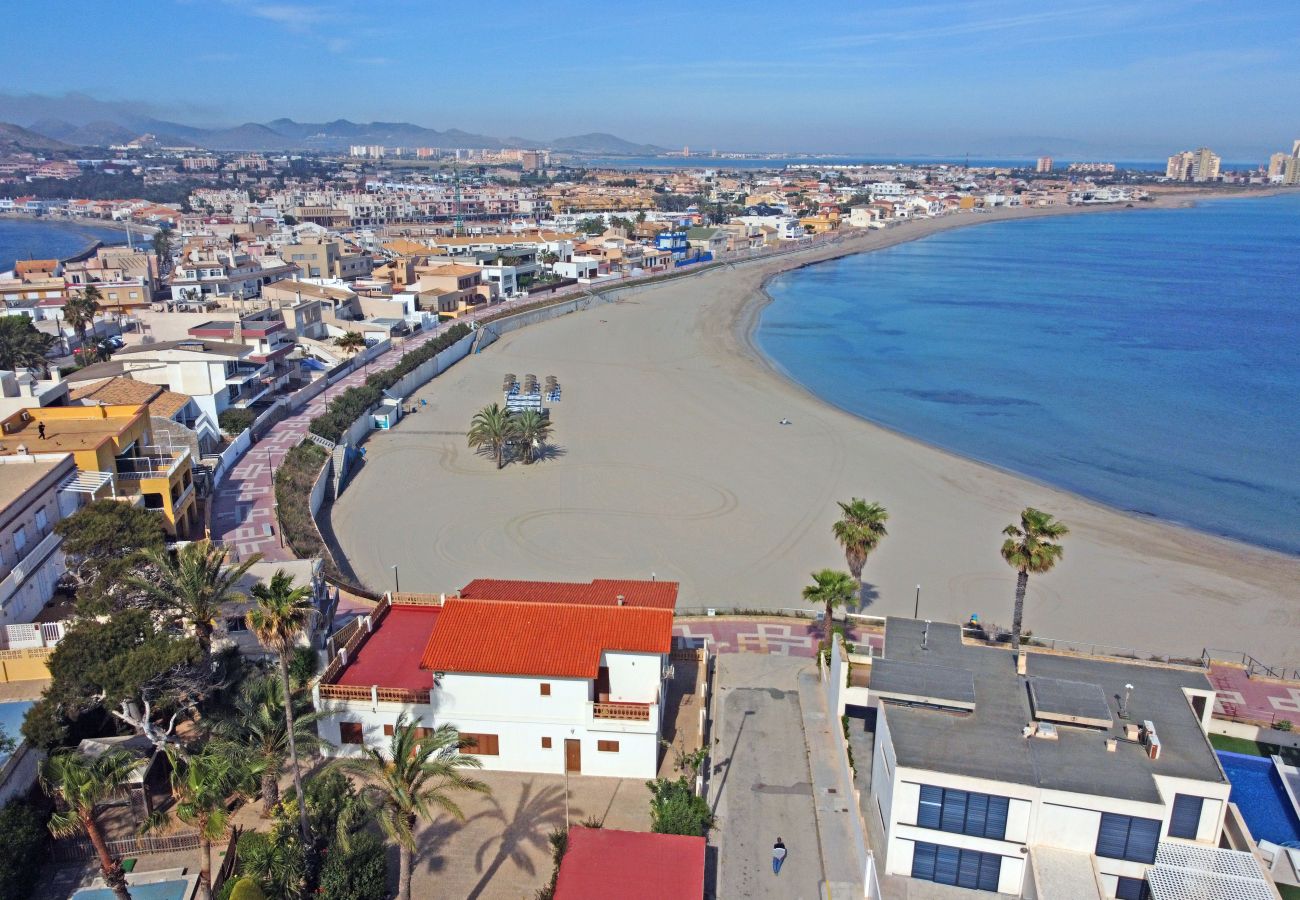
(760, 786)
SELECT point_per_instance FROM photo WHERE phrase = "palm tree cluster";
(495, 429)
(244, 742)
(1031, 546)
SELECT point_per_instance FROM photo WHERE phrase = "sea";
(705, 161)
(36, 239)
(1147, 359)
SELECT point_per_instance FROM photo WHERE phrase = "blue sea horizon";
(49, 239)
(1148, 359)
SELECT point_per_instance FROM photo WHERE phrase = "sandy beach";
(669, 459)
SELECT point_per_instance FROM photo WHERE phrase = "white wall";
(633, 677)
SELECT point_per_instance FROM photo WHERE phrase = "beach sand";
(670, 460)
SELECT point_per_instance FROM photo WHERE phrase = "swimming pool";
(1258, 792)
(11, 720)
(159, 890)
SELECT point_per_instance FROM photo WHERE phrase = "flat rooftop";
(989, 743)
(65, 435)
(16, 480)
(390, 656)
(600, 592)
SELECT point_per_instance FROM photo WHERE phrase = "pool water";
(161, 890)
(1258, 792)
(11, 720)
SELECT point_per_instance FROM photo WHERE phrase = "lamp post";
(916, 609)
(397, 585)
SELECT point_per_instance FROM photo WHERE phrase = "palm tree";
(492, 427)
(1031, 547)
(79, 312)
(408, 781)
(83, 784)
(282, 614)
(194, 584)
(22, 346)
(259, 725)
(532, 429)
(350, 342)
(859, 530)
(830, 589)
(202, 784)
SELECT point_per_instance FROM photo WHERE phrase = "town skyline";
(1097, 80)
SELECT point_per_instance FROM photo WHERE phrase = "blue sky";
(1075, 78)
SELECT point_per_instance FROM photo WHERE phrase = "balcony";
(638, 712)
(133, 469)
(34, 557)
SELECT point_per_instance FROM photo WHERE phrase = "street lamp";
(916, 610)
(397, 585)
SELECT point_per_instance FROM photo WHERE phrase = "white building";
(32, 501)
(567, 681)
(987, 777)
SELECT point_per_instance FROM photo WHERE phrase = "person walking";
(778, 856)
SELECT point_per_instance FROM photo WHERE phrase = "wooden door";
(602, 685)
(572, 756)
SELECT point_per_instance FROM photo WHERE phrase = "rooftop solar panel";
(1069, 702)
(923, 683)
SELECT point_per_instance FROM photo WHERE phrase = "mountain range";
(286, 135)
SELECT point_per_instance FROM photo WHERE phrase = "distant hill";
(16, 138)
(329, 137)
(599, 142)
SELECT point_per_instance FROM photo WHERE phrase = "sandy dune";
(670, 460)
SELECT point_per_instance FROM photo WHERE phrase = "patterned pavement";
(1255, 700)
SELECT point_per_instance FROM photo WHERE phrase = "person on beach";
(778, 856)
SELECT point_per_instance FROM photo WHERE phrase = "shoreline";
(746, 328)
(668, 460)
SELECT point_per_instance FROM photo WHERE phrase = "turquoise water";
(1147, 359)
(11, 720)
(1258, 792)
(159, 890)
(29, 239)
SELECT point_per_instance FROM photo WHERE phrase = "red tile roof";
(560, 640)
(390, 656)
(602, 862)
(601, 592)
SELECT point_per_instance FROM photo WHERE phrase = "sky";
(1071, 78)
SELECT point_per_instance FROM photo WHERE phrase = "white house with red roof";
(538, 676)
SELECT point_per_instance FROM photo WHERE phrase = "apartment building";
(990, 769)
(265, 334)
(326, 259)
(539, 676)
(115, 453)
(31, 502)
(223, 275)
(1201, 164)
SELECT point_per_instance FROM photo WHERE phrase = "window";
(963, 868)
(1185, 820)
(963, 812)
(481, 744)
(546, 743)
(1132, 889)
(1128, 837)
(607, 746)
(20, 540)
(388, 731)
(236, 623)
(350, 733)
(42, 521)
(545, 689)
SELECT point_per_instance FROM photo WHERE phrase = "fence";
(229, 864)
(234, 450)
(1254, 668)
(33, 635)
(77, 849)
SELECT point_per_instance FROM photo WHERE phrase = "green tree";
(622, 222)
(24, 844)
(203, 784)
(79, 312)
(22, 346)
(83, 785)
(409, 780)
(104, 543)
(98, 666)
(491, 429)
(358, 873)
(162, 248)
(275, 860)
(282, 615)
(830, 589)
(247, 888)
(1031, 546)
(591, 225)
(675, 808)
(257, 723)
(532, 429)
(860, 528)
(350, 342)
(193, 584)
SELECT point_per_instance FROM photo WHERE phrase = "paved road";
(761, 786)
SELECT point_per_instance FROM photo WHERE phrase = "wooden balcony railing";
(639, 712)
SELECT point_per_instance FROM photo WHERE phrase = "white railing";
(158, 465)
(27, 565)
(31, 635)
